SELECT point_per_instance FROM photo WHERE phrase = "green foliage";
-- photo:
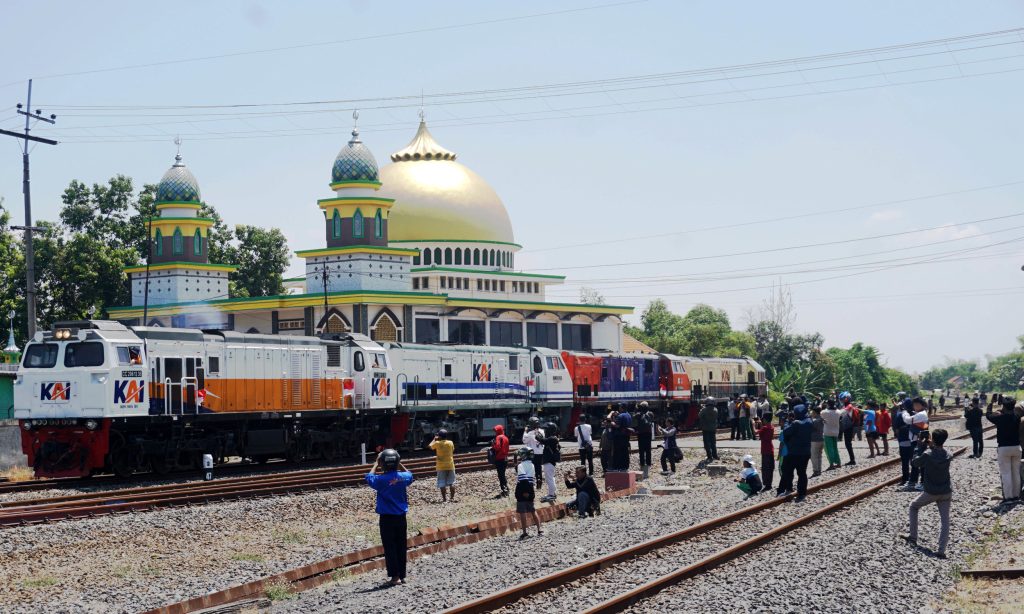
(703, 331)
(12, 273)
(860, 371)
(262, 257)
(1002, 374)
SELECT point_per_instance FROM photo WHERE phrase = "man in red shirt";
(499, 445)
(766, 433)
(884, 423)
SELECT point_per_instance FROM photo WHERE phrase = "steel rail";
(499, 599)
(625, 600)
(994, 574)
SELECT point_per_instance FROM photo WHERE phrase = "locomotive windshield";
(83, 354)
(40, 356)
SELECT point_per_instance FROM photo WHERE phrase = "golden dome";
(439, 199)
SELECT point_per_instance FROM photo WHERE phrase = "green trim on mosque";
(180, 264)
(454, 241)
(177, 204)
(355, 183)
(350, 198)
(181, 219)
(351, 249)
(482, 272)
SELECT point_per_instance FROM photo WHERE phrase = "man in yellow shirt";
(444, 448)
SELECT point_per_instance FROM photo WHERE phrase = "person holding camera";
(498, 453)
(585, 441)
(390, 479)
(444, 448)
(533, 438)
(588, 497)
(1008, 451)
(551, 456)
(938, 488)
(707, 418)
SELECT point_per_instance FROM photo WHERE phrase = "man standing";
(938, 488)
(764, 408)
(766, 433)
(552, 455)
(743, 409)
(644, 435)
(972, 419)
(1008, 452)
(445, 451)
(734, 423)
(884, 421)
(533, 438)
(500, 447)
(391, 480)
(847, 423)
(797, 436)
(708, 420)
(585, 441)
(817, 441)
(901, 428)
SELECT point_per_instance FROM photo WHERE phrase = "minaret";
(179, 267)
(357, 256)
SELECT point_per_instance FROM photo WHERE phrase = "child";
(525, 492)
(749, 482)
(871, 429)
(766, 433)
(916, 471)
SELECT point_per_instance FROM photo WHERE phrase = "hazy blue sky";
(600, 168)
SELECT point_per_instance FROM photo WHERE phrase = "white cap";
(748, 459)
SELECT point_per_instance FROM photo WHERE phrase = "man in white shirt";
(585, 441)
(734, 423)
(763, 407)
(533, 438)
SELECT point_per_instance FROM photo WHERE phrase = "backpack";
(845, 421)
(492, 455)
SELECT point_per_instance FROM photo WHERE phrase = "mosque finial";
(177, 156)
(355, 127)
(422, 114)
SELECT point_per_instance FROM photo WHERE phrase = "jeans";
(710, 444)
(501, 466)
(644, 444)
(587, 458)
(797, 462)
(906, 453)
(816, 447)
(392, 537)
(848, 440)
(767, 469)
(977, 440)
(668, 458)
(1009, 470)
(832, 450)
(943, 503)
(582, 503)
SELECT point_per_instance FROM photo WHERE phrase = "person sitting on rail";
(588, 497)
(444, 448)
(938, 488)
(749, 481)
(525, 491)
(390, 479)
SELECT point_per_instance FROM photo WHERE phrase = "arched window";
(476, 255)
(466, 256)
(458, 256)
(437, 256)
(426, 256)
(336, 225)
(447, 255)
(177, 243)
(197, 243)
(378, 225)
(158, 238)
(493, 261)
(504, 256)
(357, 225)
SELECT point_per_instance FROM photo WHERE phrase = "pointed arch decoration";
(336, 225)
(334, 321)
(177, 242)
(158, 238)
(357, 224)
(197, 243)
(378, 225)
(386, 326)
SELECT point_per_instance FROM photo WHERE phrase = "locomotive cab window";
(40, 356)
(129, 355)
(513, 362)
(357, 362)
(555, 363)
(84, 354)
(214, 365)
(380, 360)
(447, 369)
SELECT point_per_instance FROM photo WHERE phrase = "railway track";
(169, 495)
(691, 551)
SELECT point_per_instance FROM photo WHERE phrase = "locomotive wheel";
(122, 462)
(159, 465)
(329, 450)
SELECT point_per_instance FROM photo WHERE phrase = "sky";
(706, 152)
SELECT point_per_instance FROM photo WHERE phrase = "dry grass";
(17, 474)
(1002, 547)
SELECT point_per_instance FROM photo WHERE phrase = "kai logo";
(482, 372)
(129, 391)
(55, 391)
(628, 374)
(381, 387)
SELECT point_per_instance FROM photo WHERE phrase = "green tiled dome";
(178, 185)
(354, 162)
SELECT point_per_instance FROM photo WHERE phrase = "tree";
(705, 330)
(12, 276)
(262, 257)
(590, 296)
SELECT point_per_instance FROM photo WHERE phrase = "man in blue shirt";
(391, 480)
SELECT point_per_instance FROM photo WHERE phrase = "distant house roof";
(956, 380)
(630, 344)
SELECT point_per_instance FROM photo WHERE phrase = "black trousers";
(977, 440)
(710, 444)
(767, 469)
(644, 443)
(587, 458)
(734, 427)
(848, 441)
(606, 459)
(392, 537)
(791, 463)
(501, 466)
(538, 471)
(906, 453)
(668, 458)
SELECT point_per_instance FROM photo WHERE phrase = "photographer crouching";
(588, 497)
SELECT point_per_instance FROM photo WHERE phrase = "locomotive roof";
(461, 348)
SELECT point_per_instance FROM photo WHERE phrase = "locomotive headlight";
(62, 333)
(27, 425)
(92, 425)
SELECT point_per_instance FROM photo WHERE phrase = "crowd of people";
(806, 431)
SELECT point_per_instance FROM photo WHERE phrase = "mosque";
(421, 250)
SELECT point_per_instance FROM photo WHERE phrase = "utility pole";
(28, 228)
(324, 276)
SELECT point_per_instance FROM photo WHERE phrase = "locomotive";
(98, 396)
